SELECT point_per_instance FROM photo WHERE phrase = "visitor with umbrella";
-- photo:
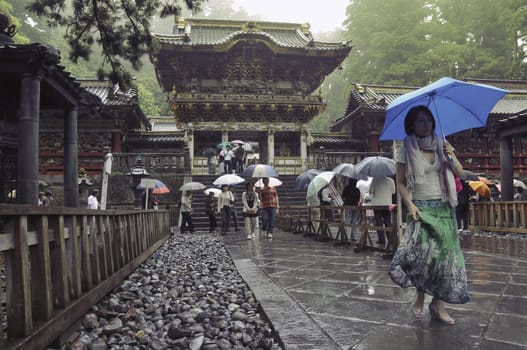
(225, 203)
(186, 210)
(429, 257)
(269, 205)
(382, 190)
(250, 210)
(210, 206)
(351, 198)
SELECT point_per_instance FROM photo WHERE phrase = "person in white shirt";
(93, 202)
(381, 190)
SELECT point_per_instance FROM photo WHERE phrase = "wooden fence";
(59, 262)
(499, 216)
(313, 221)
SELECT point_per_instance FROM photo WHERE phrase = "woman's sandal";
(434, 315)
(417, 311)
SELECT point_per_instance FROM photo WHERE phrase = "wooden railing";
(171, 162)
(499, 216)
(312, 221)
(59, 262)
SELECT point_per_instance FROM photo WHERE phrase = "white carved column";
(270, 146)
(224, 133)
(189, 137)
(304, 134)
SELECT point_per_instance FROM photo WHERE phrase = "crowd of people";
(261, 204)
(231, 159)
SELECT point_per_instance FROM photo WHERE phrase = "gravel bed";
(188, 295)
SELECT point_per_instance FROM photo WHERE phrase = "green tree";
(147, 101)
(414, 42)
(122, 29)
(7, 9)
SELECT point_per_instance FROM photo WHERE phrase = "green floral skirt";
(429, 256)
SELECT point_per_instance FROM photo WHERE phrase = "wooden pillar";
(507, 189)
(28, 140)
(374, 141)
(117, 142)
(486, 154)
(71, 185)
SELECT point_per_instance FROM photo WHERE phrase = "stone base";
(509, 244)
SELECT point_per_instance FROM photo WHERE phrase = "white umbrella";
(238, 142)
(192, 186)
(216, 191)
(518, 183)
(228, 179)
(273, 182)
(376, 166)
(320, 181)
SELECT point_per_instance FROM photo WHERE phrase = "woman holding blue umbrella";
(429, 257)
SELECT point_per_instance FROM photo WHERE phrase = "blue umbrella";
(456, 106)
(260, 170)
(302, 181)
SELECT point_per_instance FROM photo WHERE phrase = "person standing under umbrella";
(351, 198)
(429, 257)
(186, 210)
(381, 191)
(250, 209)
(225, 201)
(269, 204)
(210, 206)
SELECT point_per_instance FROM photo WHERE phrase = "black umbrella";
(303, 180)
(468, 175)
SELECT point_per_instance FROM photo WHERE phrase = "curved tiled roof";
(199, 32)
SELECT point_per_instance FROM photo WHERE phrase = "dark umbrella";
(468, 175)
(302, 181)
(260, 170)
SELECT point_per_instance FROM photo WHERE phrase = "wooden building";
(254, 81)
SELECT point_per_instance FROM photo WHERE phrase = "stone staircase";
(287, 195)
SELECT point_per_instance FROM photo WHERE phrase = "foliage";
(122, 29)
(7, 9)
(414, 42)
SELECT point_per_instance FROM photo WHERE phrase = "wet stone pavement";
(319, 296)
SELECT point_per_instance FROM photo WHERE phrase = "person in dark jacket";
(463, 204)
(351, 198)
(210, 209)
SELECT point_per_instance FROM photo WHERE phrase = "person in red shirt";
(269, 205)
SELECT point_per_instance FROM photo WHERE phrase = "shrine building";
(245, 80)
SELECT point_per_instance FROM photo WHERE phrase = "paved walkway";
(319, 296)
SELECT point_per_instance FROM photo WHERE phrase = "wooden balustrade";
(312, 221)
(499, 216)
(169, 161)
(59, 262)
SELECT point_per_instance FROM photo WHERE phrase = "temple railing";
(161, 162)
(58, 262)
(499, 216)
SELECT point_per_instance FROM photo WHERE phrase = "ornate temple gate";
(252, 81)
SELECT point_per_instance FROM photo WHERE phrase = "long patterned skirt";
(429, 256)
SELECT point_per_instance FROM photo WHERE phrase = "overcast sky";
(323, 16)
